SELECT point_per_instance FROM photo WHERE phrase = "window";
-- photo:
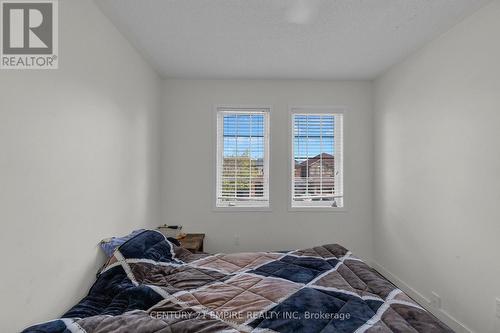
(317, 172)
(242, 157)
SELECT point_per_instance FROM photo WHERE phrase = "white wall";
(437, 171)
(188, 165)
(78, 162)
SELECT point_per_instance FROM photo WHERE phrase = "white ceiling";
(281, 39)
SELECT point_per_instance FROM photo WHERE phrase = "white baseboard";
(441, 314)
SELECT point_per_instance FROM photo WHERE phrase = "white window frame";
(244, 109)
(318, 110)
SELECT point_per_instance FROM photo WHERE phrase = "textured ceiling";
(281, 39)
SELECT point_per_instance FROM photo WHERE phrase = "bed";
(151, 285)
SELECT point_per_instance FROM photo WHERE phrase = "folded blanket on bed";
(151, 285)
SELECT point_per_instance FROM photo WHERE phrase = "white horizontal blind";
(242, 157)
(317, 168)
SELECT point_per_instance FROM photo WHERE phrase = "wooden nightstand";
(193, 242)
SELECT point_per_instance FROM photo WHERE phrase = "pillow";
(109, 245)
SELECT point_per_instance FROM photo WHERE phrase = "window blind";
(242, 157)
(317, 169)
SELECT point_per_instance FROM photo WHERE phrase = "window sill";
(241, 209)
(318, 209)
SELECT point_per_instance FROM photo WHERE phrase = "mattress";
(151, 285)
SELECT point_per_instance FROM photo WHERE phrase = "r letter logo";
(29, 34)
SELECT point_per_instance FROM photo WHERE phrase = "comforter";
(151, 285)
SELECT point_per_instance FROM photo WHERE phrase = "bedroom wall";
(188, 165)
(437, 163)
(78, 162)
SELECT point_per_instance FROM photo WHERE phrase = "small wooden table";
(193, 242)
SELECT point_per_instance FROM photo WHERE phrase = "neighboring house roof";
(314, 159)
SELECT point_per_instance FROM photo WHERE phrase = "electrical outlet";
(236, 240)
(435, 300)
(498, 307)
